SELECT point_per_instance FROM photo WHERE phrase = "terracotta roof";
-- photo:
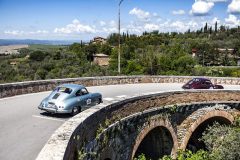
(100, 55)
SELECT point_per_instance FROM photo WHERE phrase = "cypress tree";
(205, 28)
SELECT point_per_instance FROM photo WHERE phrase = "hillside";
(151, 53)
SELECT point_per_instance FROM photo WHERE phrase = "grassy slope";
(44, 47)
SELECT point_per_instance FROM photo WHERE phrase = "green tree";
(205, 28)
(222, 141)
(222, 28)
(155, 66)
(42, 73)
(106, 49)
(37, 56)
(165, 63)
(75, 47)
(184, 64)
(57, 55)
(133, 67)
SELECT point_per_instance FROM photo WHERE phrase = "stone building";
(27, 57)
(14, 63)
(99, 40)
(101, 59)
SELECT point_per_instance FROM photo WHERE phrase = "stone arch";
(153, 125)
(202, 119)
(108, 154)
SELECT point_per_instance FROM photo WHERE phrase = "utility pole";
(203, 57)
(119, 41)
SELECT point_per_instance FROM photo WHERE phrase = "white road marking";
(108, 99)
(48, 118)
(121, 96)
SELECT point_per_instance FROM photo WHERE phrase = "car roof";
(202, 79)
(72, 86)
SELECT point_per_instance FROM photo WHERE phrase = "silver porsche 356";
(70, 98)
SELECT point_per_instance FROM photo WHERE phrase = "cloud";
(157, 16)
(196, 18)
(201, 8)
(13, 32)
(180, 12)
(102, 23)
(141, 15)
(42, 31)
(74, 28)
(216, 20)
(178, 26)
(217, 0)
(232, 21)
(151, 27)
(192, 24)
(182, 19)
(17, 32)
(110, 30)
(113, 24)
(234, 7)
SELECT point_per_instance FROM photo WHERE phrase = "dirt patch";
(12, 49)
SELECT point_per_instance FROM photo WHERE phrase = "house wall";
(101, 61)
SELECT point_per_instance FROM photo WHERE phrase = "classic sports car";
(70, 98)
(201, 83)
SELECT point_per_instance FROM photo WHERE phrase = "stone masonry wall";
(125, 135)
(80, 132)
(12, 89)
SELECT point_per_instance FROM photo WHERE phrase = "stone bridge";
(155, 124)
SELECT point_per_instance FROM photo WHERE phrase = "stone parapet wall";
(13, 89)
(81, 130)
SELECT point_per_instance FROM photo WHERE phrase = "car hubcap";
(75, 109)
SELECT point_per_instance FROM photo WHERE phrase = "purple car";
(201, 83)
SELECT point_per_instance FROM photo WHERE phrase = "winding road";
(24, 129)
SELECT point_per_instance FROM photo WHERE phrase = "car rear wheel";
(75, 110)
(99, 101)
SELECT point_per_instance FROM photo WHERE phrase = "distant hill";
(6, 42)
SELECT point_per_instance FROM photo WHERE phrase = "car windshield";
(193, 80)
(63, 89)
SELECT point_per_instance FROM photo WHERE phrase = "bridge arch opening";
(194, 144)
(157, 143)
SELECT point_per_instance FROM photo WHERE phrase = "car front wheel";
(75, 110)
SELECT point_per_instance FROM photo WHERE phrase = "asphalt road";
(24, 129)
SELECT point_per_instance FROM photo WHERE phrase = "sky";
(86, 19)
